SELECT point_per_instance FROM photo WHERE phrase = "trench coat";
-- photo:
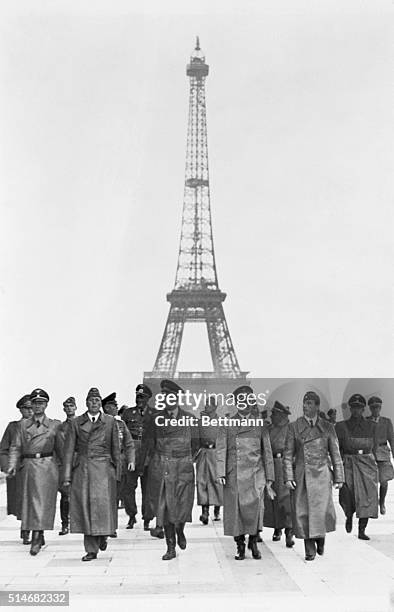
(385, 435)
(39, 476)
(359, 494)
(170, 493)
(307, 456)
(209, 489)
(277, 512)
(14, 499)
(244, 458)
(93, 494)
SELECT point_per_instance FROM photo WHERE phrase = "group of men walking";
(279, 475)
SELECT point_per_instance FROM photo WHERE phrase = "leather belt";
(278, 455)
(209, 446)
(175, 454)
(358, 452)
(36, 455)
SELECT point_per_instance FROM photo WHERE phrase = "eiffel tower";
(196, 295)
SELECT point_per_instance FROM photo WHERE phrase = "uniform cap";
(242, 390)
(93, 392)
(70, 401)
(357, 400)
(171, 386)
(374, 401)
(110, 399)
(312, 396)
(23, 401)
(39, 394)
(281, 408)
(331, 411)
(143, 390)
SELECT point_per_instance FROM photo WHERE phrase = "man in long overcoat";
(70, 408)
(173, 447)
(277, 512)
(209, 489)
(245, 467)
(93, 502)
(310, 443)
(358, 444)
(385, 435)
(36, 446)
(14, 483)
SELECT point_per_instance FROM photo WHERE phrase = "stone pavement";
(352, 575)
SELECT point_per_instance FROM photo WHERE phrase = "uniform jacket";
(93, 500)
(209, 490)
(127, 447)
(385, 438)
(39, 476)
(14, 483)
(307, 457)
(136, 424)
(244, 458)
(277, 513)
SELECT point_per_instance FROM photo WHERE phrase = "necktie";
(311, 422)
(93, 419)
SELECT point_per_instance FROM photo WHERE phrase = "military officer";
(126, 443)
(277, 513)
(385, 435)
(136, 420)
(332, 416)
(209, 490)
(70, 408)
(37, 446)
(93, 504)
(245, 468)
(358, 444)
(14, 483)
(171, 485)
(310, 444)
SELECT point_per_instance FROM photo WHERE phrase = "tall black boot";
(36, 542)
(64, 513)
(277, 535)
(25, 535)
(310, 549)
(216, 513)
(382, 496)
(180, 536)
(362, 523)
(240, 541)
(320, 545)
(349, 523)
(42, 538)
(169, 531)
(256, 554)
(289, 537)
(204, 517)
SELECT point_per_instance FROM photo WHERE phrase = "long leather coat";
(14, 483)
(209, 490)
(244, 458)
(39, 476)
(306, 459)
(93, 499)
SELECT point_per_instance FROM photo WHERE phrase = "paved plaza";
(352, 575)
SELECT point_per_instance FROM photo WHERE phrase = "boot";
(180, 536)
(349, 523)
(157, 532)
(42, 539)
(131, 522)
(64, 513)
(25, 535)
(204, 517)
(289, 537)
(216, 513)
(362, 523)
(169, 530)
(310, 549)
(64, 530)
(259, 538)
(36, 542)
(146, 525)
(256, 554)
(103, 543)
(320, 546)
(277, 535)
(240, 541)
(382, 497)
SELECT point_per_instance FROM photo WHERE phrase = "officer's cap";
(38, 394)
(110, 399)
(93, 392)
(23, 402)
(281, 408)
(143, 390)
(70, 401)
(357, 400)
(171, 386)
(374, 401)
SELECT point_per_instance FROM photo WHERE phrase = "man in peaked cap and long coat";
(245, 467)
(172, 469)
(136, 420)
(385, 435)
(277, 512)
(126, 443)
(310, 443)
(37, 447)
(70, 408)
(358, 443)
(93, 500)
(14, 483)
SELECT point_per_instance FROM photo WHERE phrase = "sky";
(93, 120)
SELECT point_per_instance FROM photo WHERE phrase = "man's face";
(26, 411)
(278, 418)
(70, 410)
(171, 400)
(375, 410)
(94, 404)
(141, 401)
(356, 411)
(39, 406)
(111, 409)
(310, 409)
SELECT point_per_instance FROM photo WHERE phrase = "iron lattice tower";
(196, 295)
